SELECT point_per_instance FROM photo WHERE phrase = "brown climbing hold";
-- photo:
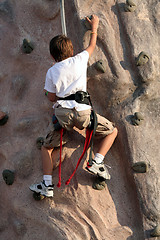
(100, 66)
(8, 176)
(130, 6)
(137, 119)
(27, 46)
(156, 231)
(135, 122)
(39, 142)
(99, 183)
(142, 59)
(140, 167)
(86, 23)
(3, 118)
(139, 116)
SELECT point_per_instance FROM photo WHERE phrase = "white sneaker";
(99, 169)
(41, 188)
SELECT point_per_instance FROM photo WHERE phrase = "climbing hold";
(27, 46)
(156, 231)
(86, 23)
(8, 176)
(130, 6)
(136, 122)
(137, 118)
(100, 66)
(3, 118)
(142, 59)
(99, 183)
(38, 196)
(39, 142)
(140, 167)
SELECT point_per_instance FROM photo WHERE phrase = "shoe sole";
(96, 173)
(41, 193)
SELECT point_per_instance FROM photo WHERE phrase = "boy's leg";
(106, 130)
(45, 187)
(107, 142)
(51, 141)
(47, 163)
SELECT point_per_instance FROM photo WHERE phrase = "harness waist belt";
(79, 96)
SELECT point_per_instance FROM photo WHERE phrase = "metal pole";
(63, 22)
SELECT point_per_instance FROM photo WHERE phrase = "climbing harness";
(63, 22)
(80, 97)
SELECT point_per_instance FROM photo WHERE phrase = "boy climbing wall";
(63, 80)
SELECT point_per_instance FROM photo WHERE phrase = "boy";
(66, 77)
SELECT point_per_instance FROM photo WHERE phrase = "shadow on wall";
(129, 62)
(122, 186)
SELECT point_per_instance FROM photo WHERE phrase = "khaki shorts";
(69, 118)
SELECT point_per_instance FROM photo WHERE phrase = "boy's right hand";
(94, 21)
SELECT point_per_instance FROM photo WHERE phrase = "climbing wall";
(123, 80)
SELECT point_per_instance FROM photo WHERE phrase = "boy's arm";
(94, 25)
(51, 96)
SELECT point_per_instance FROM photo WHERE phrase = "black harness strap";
(79, 96)
(92, 125)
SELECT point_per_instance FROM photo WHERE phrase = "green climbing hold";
(38, 196)
(8, 176)
(99, 183)
(100, 66)
(39, 142)
(130, 6)
(142, 59)
(27, 46)
(137, 118)
(156, 231)
(140, 167)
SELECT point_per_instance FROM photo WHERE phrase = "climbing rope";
(63, 21)
(89, 133)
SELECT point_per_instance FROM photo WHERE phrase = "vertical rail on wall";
(63, 21)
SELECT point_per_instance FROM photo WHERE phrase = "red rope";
(86, 145)
(60, 158)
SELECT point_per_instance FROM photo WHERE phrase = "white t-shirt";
(67, 77)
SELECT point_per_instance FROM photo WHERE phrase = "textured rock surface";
(129, 206)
